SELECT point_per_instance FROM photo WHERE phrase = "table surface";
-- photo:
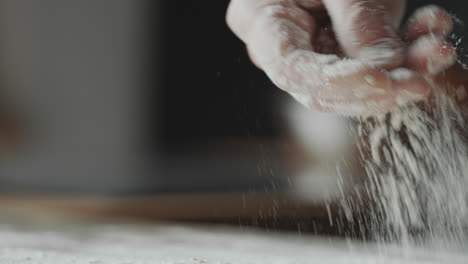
(130, 231)
(44, 239)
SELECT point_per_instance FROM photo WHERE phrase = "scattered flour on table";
(417, 167)
(71, 242)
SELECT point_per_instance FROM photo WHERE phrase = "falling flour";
(417, 167)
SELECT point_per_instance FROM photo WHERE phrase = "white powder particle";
(417, 174)
(401, 74)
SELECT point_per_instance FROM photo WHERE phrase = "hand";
(345, 56)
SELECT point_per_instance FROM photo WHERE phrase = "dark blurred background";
(135, 97)
(141, 97)
(212, 95)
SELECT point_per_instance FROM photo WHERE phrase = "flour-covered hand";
(345, 56)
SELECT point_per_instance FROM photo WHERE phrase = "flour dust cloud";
(416, 160)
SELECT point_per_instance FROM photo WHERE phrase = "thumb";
(367, 29)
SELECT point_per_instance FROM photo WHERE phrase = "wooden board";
(203, 207)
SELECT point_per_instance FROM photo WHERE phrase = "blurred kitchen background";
(139, 97)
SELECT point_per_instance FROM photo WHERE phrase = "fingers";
(367, 29)
(280, 39)
(347, 87)
(238, 17)
(380, 93)
(428, 20)
(241, 14)
(277, 30)
(430, 53)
